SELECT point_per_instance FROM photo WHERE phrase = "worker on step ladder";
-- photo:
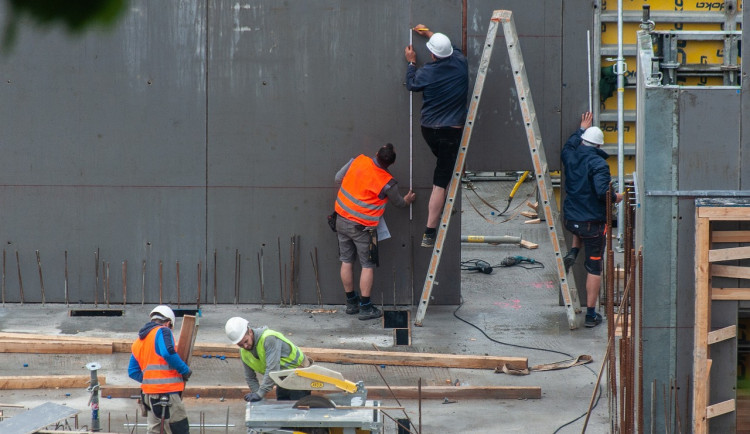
(587, 180)
(444, 84)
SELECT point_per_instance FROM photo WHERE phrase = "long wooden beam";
(80, 345)
(376, 392)
(47, 381)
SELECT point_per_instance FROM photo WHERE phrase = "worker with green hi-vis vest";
(263, 350)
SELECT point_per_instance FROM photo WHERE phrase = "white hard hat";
(593, 135)
(440, 45)
(236, 328)
(163, 312)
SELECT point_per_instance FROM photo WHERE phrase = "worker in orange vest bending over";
(156, 365)
(366, 186)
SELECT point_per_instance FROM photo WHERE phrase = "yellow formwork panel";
(610, 132)
(668, 5)
(628, 165)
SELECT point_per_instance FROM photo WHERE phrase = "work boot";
(593, 320)
(568, 260)
(352, 306)
(369, 311)
(428, 240)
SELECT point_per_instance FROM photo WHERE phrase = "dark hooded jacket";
(587, 180)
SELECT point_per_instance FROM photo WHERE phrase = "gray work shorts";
(354, 240)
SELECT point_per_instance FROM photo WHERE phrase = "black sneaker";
(352, 306)
(568, 260)
(428, 240)
(369, 312)
(593, 320)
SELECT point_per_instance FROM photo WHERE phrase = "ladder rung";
(722, 334)
(720, 408)
(735, 294)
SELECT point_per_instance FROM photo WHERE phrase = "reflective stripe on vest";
(293, 360)
(158, 377)
(358, 199)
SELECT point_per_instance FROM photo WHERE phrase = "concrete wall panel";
(708, 160)
(202, 127)
(499, 139)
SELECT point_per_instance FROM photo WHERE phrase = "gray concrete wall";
(199, 132)
(689, 140)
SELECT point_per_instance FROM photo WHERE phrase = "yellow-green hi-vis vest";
(258, 364)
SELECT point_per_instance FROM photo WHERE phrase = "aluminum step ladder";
(541, 170)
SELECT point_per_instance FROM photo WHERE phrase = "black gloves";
(252, 397)
(186, 376)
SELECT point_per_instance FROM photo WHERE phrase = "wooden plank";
(720, 408)
(61, 347)
(729, 254)
(702, 323)
(330, 355)
(17, 382)
(724, 213)
(532, 222)
(730, 271)
(730, 294)
(365, 357)
(186, 341)
(722, 334)
(730, 236)
(529, 245)
(373, 392)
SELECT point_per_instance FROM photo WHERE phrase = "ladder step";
(725, 407)
(722, 334)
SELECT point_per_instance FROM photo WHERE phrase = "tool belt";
(158, 404)
(332, 221)
(373, 248)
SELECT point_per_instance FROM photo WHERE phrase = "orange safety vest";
(158, 377)
(358, 199)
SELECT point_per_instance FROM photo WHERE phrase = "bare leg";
(365, 281)
(435, 207)
(347, 276)
(593, 283)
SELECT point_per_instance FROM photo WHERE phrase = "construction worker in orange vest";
(156, 365)
(366, 186)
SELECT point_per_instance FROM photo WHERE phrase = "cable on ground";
(599, 388)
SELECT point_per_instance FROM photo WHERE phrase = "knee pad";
(593, 265)
(180, 427)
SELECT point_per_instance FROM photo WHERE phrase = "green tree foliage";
(75, 15)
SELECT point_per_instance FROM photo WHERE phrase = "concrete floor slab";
(513, 311)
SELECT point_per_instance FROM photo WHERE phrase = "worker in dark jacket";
(263, 351)
(155, 364)
(366, 187)
(587, 181)
(444, 83)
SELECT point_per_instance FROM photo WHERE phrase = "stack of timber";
(39, 343)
